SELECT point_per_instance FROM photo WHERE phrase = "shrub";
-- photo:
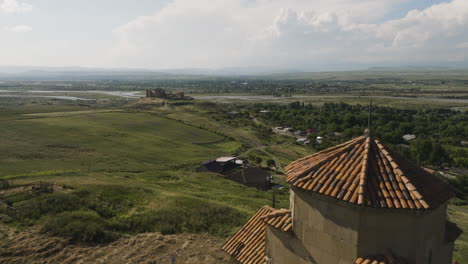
(187, 215)
(79, 226)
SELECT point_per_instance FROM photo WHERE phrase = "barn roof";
(365, 172)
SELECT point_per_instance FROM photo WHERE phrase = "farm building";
(252, 177)
(220, 167)
(358, 202)
(235, 169)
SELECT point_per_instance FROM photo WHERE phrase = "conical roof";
(365, 172)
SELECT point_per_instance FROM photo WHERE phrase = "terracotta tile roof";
(280, 219)
(380, 259)
(248, 244)
(364, 172)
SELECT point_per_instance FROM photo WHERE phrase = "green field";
(130, 169)
(115, 141)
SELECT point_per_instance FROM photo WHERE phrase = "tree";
(258, 160)
(421, 149)
(438, 155)
(271, 163)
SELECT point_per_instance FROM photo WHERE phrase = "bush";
(186, 216)
(79, 226)
(49, 205)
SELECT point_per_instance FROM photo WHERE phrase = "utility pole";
(273, 198)
(369, 117)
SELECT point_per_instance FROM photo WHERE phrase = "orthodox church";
(355, 203)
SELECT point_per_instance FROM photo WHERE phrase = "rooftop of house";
(365, 172)
(225, 159)
(249, 175)
(218, 167)
(409, 137)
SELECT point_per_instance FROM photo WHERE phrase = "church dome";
(365, 172)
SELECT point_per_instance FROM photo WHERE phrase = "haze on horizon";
(308, 35)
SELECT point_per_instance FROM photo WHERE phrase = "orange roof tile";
(280, 219)
(248, 244)
(365, 172)
(380, 259)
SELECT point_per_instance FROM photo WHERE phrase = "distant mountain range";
(61, 72)
(26, 73)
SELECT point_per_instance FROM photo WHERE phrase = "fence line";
(17, 211)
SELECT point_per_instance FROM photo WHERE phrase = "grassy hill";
(112, 141)
(130, 170)
(126, 170)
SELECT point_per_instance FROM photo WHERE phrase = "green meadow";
(104, 141)
(126, 171)
(130, 169)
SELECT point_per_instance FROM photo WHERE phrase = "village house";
(334, 135)
(409, 137)
(299, 133)
(319, 140)
(310, 131)
(303, 141)
(357, 203)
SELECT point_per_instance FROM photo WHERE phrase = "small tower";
(358, 202)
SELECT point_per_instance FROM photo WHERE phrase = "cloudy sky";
(296, 34)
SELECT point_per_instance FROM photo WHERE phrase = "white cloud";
(463, 45)
(19, 29)
(14, 6)
(296, 33)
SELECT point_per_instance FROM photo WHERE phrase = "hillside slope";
(33, 247)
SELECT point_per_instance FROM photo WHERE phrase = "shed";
(252, 177)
